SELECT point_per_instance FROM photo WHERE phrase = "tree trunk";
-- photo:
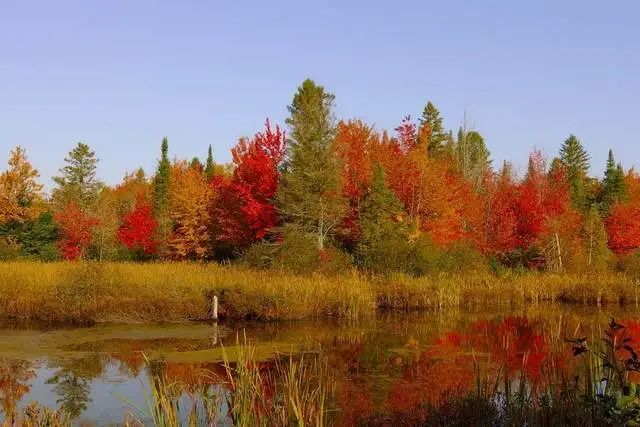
(559, 253)
(320, 237)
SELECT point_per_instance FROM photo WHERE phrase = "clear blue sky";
(120, 74)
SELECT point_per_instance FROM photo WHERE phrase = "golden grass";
(183, 291)
(173, 292)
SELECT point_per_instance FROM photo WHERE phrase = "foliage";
(188, 207)
(297, 251)
(78, 183)
(575, 160)
(76, 231)
(355, 144)
(138, 230)
(243, 211)
(472, 156)
(161, 197)
(209, 167)
(21, 197)
(38, 238)
(441, 200)
(613, 184)
(384, 245)
(310, 194)
(432, 129)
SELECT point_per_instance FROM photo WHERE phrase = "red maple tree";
(76, 230)
(622, 223)
(243, 210)
(138, 229)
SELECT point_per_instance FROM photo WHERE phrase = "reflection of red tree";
(431, 382)
(14, 384)
(355, 400)
(514, 343)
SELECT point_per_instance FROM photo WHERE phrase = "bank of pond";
(87, 292)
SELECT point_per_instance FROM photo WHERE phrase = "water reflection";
(384, 369)
(15, 378)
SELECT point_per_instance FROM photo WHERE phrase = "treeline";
(329, 194)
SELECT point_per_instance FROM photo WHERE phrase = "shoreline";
(90, 292)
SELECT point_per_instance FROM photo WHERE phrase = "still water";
(390, 362)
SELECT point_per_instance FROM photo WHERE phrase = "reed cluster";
(131, 292)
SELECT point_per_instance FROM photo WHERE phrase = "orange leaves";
(355, 145)
(20, 193)
(189, 196)
(436, 198)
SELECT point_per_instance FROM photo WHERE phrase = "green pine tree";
(383, 245)
(161, 196)
(438, 136)
(77, 182)
(38, 238)
(310, 192)
(575, 159)
(613, 185)
(196, 164)
(209, 168)
(472, 156)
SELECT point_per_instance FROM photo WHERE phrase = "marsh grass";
(35, 415)
(173, 292)
(130, 292)
(291, 390)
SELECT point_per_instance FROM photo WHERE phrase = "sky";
(121, 74)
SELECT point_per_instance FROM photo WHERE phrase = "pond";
(390, 363)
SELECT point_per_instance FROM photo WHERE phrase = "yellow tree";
(189, 196)
(21, 196)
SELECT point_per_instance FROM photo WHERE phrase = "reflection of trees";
(72, 390)
(72, 383)
(15, 376)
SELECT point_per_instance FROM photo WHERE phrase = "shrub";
(297, 252)
(8, 250)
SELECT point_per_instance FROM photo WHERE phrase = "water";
(392, 362)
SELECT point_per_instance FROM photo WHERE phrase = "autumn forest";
(335, 193)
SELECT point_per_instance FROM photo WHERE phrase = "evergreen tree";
(209, 168)
(599, 255)
(472, 156)
(196, 164)
(38, 238)
(310, 193)
(383, 245)
(161, 184)
(613, 185)
(77, 182)
(575, 159)
(437, 135)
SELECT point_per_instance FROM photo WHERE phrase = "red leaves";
(138, 229)
(354, 144)
(501, 219)
(623, 224)
(544, 203)
(623, 227)
(243, 210)
(76, 229)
